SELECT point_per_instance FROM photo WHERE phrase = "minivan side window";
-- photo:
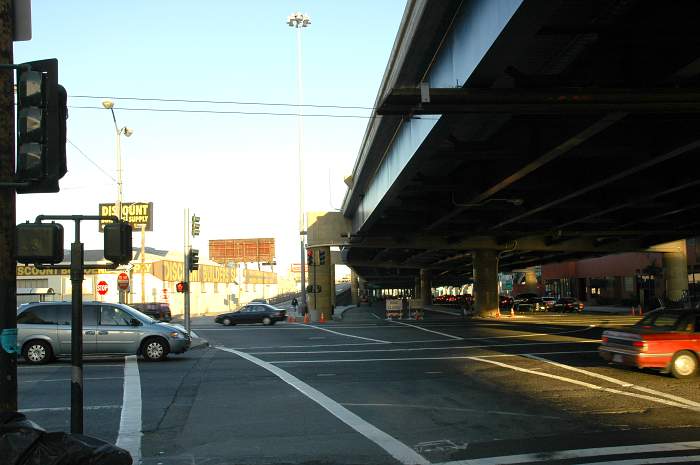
(64, 315)
(112, 316)
(38, 315)
(90, 315)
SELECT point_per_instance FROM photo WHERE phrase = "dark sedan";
(568, 304)
(253, 313)
(530, 304)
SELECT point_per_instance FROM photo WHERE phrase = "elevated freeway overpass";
(512, 133)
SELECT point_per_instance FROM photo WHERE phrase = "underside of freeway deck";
(577, 134)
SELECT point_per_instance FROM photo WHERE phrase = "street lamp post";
(298, 21)
(109, 105)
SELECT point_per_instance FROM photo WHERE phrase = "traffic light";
(117, 242)
(41, 127)
(193, 261)
(181, 287)
(39, 243)
(309, 257)
(195, 226)
(321, 257)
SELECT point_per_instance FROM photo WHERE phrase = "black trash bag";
(75, 449)
(17, 436)
(23, 442)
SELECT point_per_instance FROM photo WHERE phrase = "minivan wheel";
(37, 352)
(267, 321)
(684, 364)
(154, 349)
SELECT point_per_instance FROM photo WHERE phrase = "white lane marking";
(428, 330)
(407, 359)
(418, 349)
(66, 379)
(86, 365)
(393, 446)
(588, 385)
(651, 460)
(326, 374)
(619, 382)
(262, 328)
(433, 372)
(374, 315)
(347, 335)
(129, 437)
(61, 409)
(580, 453)
(452, 409)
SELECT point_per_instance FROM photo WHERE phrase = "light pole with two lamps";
(298, 21)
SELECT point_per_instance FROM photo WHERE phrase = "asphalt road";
(529, 389)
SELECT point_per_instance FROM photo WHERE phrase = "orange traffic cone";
(307, 320)
(641, 312)
(291, 319)
(633, 312)
(512, 312)
(323, 318)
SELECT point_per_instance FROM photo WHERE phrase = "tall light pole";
(109, 105)
(298, 21)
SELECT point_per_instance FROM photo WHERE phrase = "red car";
(666, 339)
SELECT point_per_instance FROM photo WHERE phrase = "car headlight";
(176, 335)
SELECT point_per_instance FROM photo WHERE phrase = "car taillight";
(580, 305)
(641, 345)
(605, 339)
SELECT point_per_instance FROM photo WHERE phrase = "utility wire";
(223, 102)
(225, 112)
(90, 160)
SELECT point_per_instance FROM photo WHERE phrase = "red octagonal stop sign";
(123, 281)
(102, 287)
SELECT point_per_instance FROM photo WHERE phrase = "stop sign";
(102, 287)
(123, 281)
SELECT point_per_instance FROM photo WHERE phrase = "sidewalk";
(609, 310)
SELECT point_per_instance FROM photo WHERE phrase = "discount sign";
(102, 287)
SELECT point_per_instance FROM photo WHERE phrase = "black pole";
(76, 387)
(8, 265)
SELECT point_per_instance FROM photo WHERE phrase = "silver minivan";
(44, 332)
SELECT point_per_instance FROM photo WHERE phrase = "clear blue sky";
(237, 172)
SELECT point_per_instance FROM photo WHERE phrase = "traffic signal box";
(309, 257)
(41, 127)
(39, 243)
(117, 242)
(193, 260)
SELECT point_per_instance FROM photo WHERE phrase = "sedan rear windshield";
(661, 320)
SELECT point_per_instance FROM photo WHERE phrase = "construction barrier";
(393, 308)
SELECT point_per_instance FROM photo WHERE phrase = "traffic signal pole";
(186, 277)
(8, 266)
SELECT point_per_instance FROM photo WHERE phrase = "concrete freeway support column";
(676, 271)
(416, 288)
(426, 295)
(531, 280)
(354, 288)
(320, 275)
(486, 282)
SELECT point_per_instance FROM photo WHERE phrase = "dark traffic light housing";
(193, 260)
(39, 243)
(41, 127)
(181, 287)
(321, 257)
(309, 257)
(117, 242)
